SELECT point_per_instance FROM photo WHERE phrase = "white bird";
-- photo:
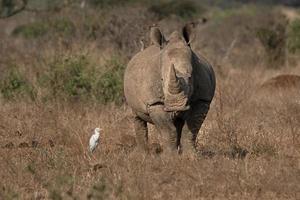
(94, 140)
(142, 44)
(82, 5)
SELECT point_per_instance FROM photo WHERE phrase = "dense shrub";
(32, 30)
(68, 78)
(185, 9)
(73, 78)
(249, 11)
(40, 5)
(14, 85)
(62, 26)
(272, 36)
(109, 88)
(105, 3)
(294, 37)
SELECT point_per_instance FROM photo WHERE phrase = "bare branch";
(7, 8)
(8, 5)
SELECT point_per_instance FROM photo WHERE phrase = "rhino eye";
(181, 80)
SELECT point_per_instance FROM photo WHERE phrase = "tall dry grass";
(247, 149)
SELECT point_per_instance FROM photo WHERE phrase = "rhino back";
(204, 79)
(142, 80)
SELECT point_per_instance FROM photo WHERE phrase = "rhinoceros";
(168, 85)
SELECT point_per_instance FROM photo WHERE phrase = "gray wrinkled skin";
(168, 85)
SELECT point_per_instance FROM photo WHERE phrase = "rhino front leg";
(195, 120)
(164, 123)
(141, 132)
(179, 123)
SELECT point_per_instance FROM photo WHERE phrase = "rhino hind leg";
(141, 132)
(195, 120)
(165, 125)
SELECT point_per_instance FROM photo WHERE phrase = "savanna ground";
(61, 69)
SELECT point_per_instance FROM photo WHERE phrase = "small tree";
(272, 36)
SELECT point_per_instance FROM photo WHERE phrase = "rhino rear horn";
(174, 84)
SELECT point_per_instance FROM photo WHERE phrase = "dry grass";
(249, 145)
(244, 153)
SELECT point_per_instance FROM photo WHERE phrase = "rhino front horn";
(174, 84)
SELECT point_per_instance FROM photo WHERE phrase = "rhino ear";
(156, 37)
(188, 32)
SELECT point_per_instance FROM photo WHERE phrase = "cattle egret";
(94, 140)
(82, 5)
(142, 45)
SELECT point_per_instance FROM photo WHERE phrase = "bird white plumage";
(94, 140)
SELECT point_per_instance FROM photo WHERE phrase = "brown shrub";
(284, 81)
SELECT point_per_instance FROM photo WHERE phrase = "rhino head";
(176, 68)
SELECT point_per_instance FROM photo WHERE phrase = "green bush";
(91, 26)
(75, 78)
(109, 3)
(45, 5)
(273, 38)
(14, 86)
(268, 38)
(103, 3)
(62, 26)
(32, 30)
(109, 88)
(184, 9)
(235, 12)
(68, 78)
(293, 41)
